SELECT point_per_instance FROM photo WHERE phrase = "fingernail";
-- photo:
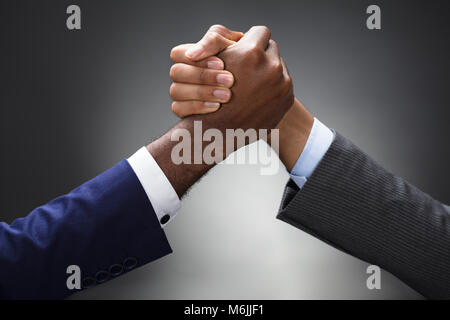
(212, 104)
(221, 94)
(194, 51)
(224, 79)
(215, 64)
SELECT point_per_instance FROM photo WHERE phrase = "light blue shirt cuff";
(319, 141)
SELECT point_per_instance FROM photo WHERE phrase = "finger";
(257, 36)
(185, 73)
(215, 40)
(185, 92)
(178, 55)
(273, 54)
(227, 33)
(187, 108)
(211, 44)
(272, 49)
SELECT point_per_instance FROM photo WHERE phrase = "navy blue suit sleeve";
(107, 227)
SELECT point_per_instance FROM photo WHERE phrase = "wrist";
(181, 174)
(295, 128)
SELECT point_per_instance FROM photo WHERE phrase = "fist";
(262, 92)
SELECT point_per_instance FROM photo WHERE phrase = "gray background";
(75, 103)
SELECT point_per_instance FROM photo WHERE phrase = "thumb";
(215, 40)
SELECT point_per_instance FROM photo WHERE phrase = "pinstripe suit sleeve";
(357, 206)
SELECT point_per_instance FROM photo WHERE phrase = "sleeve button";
(165, 219)
(102, 276)
(130, 263)
(115, 270)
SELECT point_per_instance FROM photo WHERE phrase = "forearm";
(181, 176)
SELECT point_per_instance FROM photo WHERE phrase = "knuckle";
(273, 43)
(203, 75)
(254, 53)
(175, 109)
(277, 67)
(264, 29)
(174, 52)
(172, 90)
(253, 47)
(267, 31)
(199, 92)
(195, 107)
(212, 36)
(218, 28)
(174, 69)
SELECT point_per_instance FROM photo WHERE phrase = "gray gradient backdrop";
(75, 103)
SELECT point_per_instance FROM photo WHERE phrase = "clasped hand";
(238, 79)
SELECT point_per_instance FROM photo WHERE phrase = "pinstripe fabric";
(357, 206)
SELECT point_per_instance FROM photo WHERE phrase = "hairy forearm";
(295, 128)
(181, 176)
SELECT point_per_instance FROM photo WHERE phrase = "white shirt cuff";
(319, 141)
(160, 192)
